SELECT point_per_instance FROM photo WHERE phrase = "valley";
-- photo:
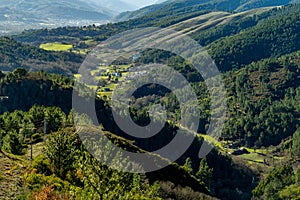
(82, 155)
(19, 15)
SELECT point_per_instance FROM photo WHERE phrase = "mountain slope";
(204, 26)
(221, 5)
(247, 5)
(54, 90)
(273, 37)
(194, 22)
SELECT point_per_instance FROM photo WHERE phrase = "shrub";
(42, 165)
(48, 193)
(12, 144)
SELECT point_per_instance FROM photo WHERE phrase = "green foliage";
(211, 34)
(188, 165)
(37, 88)
(171, 7)
(263, 101)
(37, 115)
(20, 72)
(78, 173)
(35, 182)
(101, 182)
(296, 143)
(205, 173)
(26, 126)
(55, 118)
(42, 165)
(291, 192)
(12, 144)
(273, 37)
(276, 181)
(60, 149)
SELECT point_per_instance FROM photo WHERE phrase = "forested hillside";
(233, 40)
(27, 89)
(263, 102)
(21, 126)
(257, 156)
(14, 55)
(273, 37)
(191, 5)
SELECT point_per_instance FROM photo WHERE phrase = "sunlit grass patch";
(254, 157)
(56, 46)
(213, 141)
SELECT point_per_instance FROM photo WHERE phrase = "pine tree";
(205, 173)
(60, 148)
(188, 165)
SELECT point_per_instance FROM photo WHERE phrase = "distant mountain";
(142, 3)
(116, 6)
(17, 15)
(139, 13)
(160, 1)
(220, 5)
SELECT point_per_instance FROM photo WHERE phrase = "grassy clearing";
(254, 157)
(261, 151)
(56, 46)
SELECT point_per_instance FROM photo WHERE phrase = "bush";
(48, 193)
(12, 144)
(47, 187)
(42, 165)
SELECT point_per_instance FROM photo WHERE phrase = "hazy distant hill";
(116, 6)
(142, 3)
(17, 15)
